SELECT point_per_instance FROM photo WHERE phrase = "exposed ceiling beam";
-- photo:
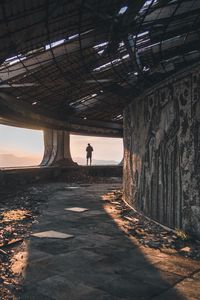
(18, 113)
(23, 66)
(17, 85)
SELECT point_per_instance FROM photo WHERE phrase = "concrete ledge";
(21, 176)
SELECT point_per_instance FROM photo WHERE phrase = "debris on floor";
(18, 211)
(148, 233)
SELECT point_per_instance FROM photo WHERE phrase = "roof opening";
(122, 10)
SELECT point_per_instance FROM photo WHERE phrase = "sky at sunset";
(20, 141)
(29, 143)
(104, 148)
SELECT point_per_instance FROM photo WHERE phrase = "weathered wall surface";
(162, 152)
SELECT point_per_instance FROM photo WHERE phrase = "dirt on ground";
(19, 209)
(151, 234)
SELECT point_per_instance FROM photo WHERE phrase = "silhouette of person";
(89, 150)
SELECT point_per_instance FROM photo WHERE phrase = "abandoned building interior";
(110, 68)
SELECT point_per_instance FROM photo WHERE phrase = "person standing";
(89, 150)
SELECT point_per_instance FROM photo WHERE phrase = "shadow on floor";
(99, 263)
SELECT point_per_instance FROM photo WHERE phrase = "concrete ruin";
(120, 69)
(110, 69)
(161, 161)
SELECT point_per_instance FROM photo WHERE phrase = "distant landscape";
(82, 161)
(10, 160)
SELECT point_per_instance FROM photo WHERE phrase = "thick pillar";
(121, 162)
(162, 152)
(57, 148)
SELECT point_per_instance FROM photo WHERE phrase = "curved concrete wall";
(162, 152)
(56, 148)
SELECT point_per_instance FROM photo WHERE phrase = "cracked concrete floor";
(100, 262)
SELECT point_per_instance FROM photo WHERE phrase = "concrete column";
(121, 162)
(57, 148)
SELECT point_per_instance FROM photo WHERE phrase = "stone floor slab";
(160, 278)
(53, 234)
(130, 289)
(60, 288)
(34, 295)
(76, 209)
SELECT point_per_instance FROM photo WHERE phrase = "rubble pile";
(151, 234)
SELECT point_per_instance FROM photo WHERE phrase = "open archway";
(107, 151)
(20, 147)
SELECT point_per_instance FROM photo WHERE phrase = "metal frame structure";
(82, 61)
